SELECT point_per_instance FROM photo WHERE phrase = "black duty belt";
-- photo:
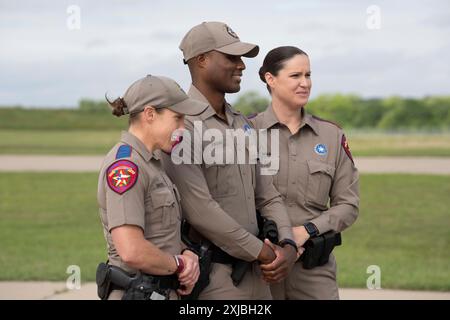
(165, 282)
(220, 256)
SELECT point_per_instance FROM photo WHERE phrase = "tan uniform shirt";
(316, 168)
(220, 200)
(151, 202)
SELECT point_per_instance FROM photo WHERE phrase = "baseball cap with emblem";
(160, 92)
(218, 36)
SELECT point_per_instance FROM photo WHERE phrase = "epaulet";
(124, 151)
(324, 120)
(253, 115)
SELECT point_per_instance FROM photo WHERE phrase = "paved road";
(419, 165)
(88, 291)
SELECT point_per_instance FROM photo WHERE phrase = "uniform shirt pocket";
(164, 211)
(320, 178)
(220, 179)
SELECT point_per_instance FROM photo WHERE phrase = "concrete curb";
(12, 290)
(37, 163)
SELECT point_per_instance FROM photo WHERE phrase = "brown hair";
(119, 108)
(275, 59)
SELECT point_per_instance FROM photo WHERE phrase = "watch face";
(310, 228)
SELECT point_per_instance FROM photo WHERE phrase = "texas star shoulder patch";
(346, 147)
(122, 176)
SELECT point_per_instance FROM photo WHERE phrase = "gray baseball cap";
(160, 92)
(218, 36)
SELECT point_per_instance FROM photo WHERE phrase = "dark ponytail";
(275, 59)
(118, 106)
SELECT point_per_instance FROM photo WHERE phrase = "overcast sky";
(45, 63)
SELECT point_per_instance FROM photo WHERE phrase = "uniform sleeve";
(127, 208)
(344, 193)
(205, 214)
(270, 204)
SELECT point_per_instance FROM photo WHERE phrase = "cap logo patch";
(321, 149)
(122, 176)
(232, 33)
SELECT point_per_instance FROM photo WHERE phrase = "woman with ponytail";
(139, 205)
(317, 177)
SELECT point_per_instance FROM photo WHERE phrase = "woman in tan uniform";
(317, 177)
(139, 205)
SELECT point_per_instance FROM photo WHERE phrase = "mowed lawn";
(50, 221)
(57, 142)
(66, 142)
(413, 144)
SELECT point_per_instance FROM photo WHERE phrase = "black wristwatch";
(311, 229)
(290, 242)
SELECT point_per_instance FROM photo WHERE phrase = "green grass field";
(50, 221)
(66, 142)
(411, 144)
(57, 142)
(404, 228)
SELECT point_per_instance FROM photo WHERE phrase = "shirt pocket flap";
(162, 198)
(318, 166)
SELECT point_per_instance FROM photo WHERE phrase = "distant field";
(99, 142)
(50, 221)
(59, 119)
(412, 144)
(57, 142)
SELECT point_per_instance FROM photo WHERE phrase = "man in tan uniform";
(139, 205)
(315, 165)
(219, 200)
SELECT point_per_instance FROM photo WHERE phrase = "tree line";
(350, 111)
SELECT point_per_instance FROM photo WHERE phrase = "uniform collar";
(195, 94)
(270, 119)
(138, 145)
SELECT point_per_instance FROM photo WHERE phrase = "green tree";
(251, 102)
(336, 107)
(88, 105)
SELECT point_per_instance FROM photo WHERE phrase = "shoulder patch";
(344, 144)
(320, 119)
(122, 175)
(124, 151)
